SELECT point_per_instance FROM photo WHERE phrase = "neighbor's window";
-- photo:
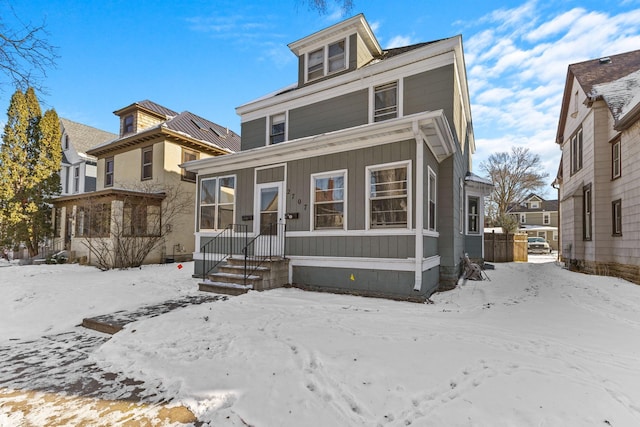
(388, 196)
(546, 218)
(523, 218)
(57, 222)
(141, 219)
(76, 179)
(127, 126)
(328, 200)
(277, 128)
(473, 215)
(66, 142)
(93, 220)
(586, 212)
(431, 218)
(535, 205)
(576, 152)
(108, 172)
(616, 207)
(187, 156)
(147, 163)
(385, 102)
(616, 161)
(217, 202)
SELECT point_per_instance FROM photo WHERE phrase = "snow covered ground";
(536, 345)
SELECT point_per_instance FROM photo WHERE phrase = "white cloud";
(517, 68)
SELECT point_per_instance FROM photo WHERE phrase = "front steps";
(229, 277)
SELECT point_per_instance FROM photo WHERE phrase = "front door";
(269, 223)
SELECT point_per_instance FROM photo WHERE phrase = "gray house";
(364, 164)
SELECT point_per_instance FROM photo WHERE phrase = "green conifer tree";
(30, 158)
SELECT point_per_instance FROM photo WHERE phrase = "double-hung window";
(217, 202)
(76, 179)
(326, 60)
(576, 152)
(389, 196)
(586, 210)
(385, 101)
(147, 163)
(127, 125)
(616, 160)
(329, 200)
(616, 211)
(546, 218)
(431, 218)
(187, 156)
(108, 172)
(473, 215)
(277, 127)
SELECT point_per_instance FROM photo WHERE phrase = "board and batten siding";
(342, 112)
(254, 134)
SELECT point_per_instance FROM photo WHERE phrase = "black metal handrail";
(222, 246)
(266, 246)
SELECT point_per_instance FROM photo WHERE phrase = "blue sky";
(209, 57)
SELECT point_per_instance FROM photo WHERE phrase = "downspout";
(419, 221)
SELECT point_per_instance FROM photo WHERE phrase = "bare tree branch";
(25, 52)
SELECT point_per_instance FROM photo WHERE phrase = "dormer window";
(128, 124)
(326, 60)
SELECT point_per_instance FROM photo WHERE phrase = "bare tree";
(514, 175)
(123, 233)
(25, 53)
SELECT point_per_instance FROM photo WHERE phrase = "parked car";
(538, 245)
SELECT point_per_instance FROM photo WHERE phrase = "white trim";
(479, 214)
(286, 127)
(390, 264)
(361, 233)
(368, 169)
(399, 99)
(256, 202)
(312, 197)
(431, 172)
(364, 78)
(419, 246)
(217, 202)
(324, 45)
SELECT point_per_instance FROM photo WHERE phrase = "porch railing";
(270, 244)
(230, 241)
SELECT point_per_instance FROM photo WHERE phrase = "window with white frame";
(388, 196)
(326, 60)
(461, 207)
(431, 190)
(555, 235)
(328, 191)
(523, 218)
(546, 218)
(217, 202)
(76, 179)
(473, 215)
(586, 212)
(576, 152)
(385, 102)
(535, 205)
(277, 126)
(616, 160)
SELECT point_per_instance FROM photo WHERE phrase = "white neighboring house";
(78, 170)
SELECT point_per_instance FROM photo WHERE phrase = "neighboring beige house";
(78, 170)
(538, 217)
(599, 178)
(136, 174)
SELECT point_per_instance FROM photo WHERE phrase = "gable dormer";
(142, 115)
(341, 48)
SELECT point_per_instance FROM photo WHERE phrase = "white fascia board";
(332, 142)
(430, 57)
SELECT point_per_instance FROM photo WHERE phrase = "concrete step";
(233, 278)
(239, 269)
(239, 260)
(223, 288)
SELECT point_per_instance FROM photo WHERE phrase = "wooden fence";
(501, 247)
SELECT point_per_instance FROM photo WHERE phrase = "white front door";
(269, 219)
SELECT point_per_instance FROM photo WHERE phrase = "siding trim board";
(390, 264)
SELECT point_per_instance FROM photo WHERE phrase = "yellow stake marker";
(352, 277)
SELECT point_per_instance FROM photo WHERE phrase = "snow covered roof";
(621, 95)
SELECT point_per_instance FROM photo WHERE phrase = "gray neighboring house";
(78, 170)
(367, 161)
(538, 218)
